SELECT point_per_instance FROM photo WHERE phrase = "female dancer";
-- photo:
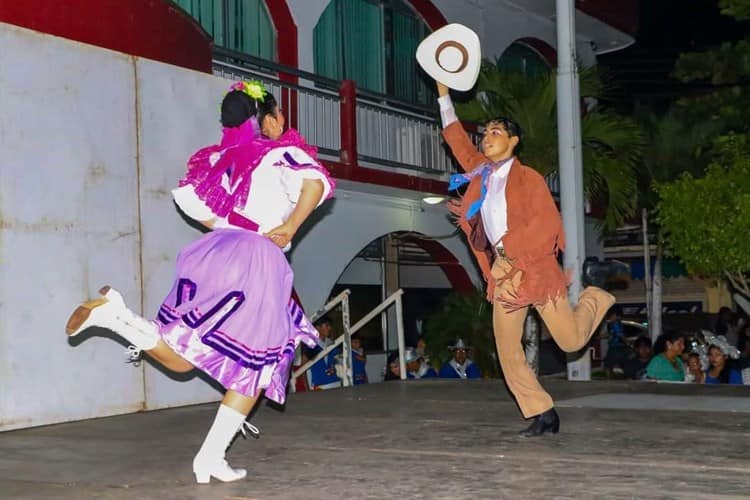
(229, 311)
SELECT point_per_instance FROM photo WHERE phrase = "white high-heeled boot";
(110, 312)
(210, 461)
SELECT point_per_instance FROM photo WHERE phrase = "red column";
(348, 95)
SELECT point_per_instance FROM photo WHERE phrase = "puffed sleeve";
(189, 203)
(297, 166)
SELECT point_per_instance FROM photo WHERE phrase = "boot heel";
(202, 477)
(81, 314)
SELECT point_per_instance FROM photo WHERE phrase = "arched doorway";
(425, 269)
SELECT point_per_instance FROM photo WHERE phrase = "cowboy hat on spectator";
(459, 345)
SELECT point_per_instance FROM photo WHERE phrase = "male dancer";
(515, 231)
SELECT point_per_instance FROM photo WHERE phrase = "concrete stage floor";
(409, 440)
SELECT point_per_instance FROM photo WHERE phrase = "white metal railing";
(392, 136)
(387, 135)
(345, 338)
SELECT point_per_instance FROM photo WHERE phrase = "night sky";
(667, 28)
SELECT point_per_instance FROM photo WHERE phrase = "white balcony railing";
(389, 134)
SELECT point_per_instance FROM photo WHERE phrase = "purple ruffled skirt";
(231, 315)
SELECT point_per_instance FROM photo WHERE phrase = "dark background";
(666, 29)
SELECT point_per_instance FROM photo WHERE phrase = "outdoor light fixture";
(433, 200)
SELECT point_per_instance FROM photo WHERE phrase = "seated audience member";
(719, 370)
(743, 364)
(726, 325)
(359, 361)
(635, 366)
(392, 368)
(695, 373)
(617, 349)
(322, 375)
(422, 348)
(460, 366)
(416, 366)
(667, 364)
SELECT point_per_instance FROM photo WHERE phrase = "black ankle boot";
(548, 421)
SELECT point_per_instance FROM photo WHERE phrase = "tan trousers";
(570, 327)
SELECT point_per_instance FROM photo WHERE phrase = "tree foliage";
(738, 9)
(611, 143)
(706, 221)
(675, 146)
(720, 77)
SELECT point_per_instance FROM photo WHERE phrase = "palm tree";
(612, 144)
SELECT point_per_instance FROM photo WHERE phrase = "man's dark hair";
(511, 127)
(323, 320)
(642, 341)
(671, 336)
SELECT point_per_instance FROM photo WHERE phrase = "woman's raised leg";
(109, 311)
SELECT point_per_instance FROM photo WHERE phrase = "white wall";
(178, 113)
(92, 142)
(68, 204)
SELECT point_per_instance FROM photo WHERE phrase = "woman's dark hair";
(724, 373)
(236, 108)
(661, 343)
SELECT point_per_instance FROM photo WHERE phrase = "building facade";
(107, 111)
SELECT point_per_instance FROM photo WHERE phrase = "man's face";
(497, 144)
(459, 355)
(324, 330)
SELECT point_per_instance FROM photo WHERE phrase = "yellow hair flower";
(253, 88)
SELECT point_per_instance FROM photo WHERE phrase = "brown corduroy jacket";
(534, 236)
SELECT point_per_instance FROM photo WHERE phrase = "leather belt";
(500, 253)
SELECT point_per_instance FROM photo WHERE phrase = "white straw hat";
(452, 56)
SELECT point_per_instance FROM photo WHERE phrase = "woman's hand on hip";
(281, 235)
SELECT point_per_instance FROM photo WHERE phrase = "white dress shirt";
(494, 208)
